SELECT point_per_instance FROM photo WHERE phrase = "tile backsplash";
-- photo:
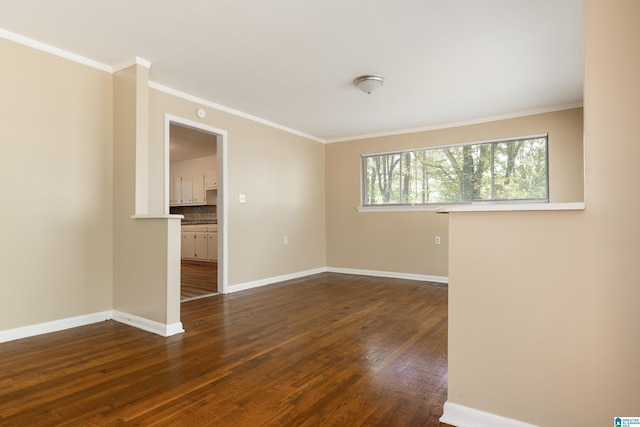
(195, 212)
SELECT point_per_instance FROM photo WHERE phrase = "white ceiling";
(187, 143)
(292, 62)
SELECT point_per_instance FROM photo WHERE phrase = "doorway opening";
(195, 183)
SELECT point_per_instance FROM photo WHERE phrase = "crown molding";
(54, 50)
(133, 61)
(229, 110)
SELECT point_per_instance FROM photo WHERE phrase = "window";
(494, 171)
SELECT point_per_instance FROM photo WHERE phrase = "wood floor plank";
(326, 350)
(197, 279)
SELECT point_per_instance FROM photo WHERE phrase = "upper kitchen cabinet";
(175, 193)
(188, 190)
(210, 179)
(197, 189)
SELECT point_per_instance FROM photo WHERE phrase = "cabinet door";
(212, 245)
(188, 250)
(177, 191)
(197, 181)
(187, 190)
(171, 202)
(201, 245)
(210, 179)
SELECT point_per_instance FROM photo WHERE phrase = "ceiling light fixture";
(368, 84)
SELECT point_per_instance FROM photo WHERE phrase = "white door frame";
(221, 158)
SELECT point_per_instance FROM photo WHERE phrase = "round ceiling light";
(368, 83)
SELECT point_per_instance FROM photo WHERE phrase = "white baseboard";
(173, 329)
(87, 319)
(148, 325)
(463, 416)
(390, 274)
(53, 326)
(271, 280)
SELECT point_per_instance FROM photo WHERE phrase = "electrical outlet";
(285, 240)
(242, 198)
(437, 240)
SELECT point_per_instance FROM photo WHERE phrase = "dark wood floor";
(327, 350)
(198, 279)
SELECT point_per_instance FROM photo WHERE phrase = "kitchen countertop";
(199, 221)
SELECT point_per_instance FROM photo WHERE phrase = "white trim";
(510, 207)
(463, 416)
(462, 123)
(272, 280)
(173, 329)
(25, 41)
(223, 186)
(229, 110)
(54, 326)
(399, 208)
(88, 319)
(477, 207)
(147, 325)
(128, 63)
(390, 274)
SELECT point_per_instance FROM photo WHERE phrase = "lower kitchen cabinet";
(188, 249)
(200, 242)
(194, 242)
(201, 246)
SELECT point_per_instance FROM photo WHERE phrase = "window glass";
(505, 170)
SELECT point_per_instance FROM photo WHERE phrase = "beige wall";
(543, 323)
(403, 242)
(282, 176)
(56, 180)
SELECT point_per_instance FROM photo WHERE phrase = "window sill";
(478, 207)
(401, 208)
(512, 207)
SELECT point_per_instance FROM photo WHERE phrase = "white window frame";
(437, 206)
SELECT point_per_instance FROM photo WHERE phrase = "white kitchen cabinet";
(195, 242)
(194, 182)
(188, 249)
(176, 186)
(201, 245)
(187, 190)
(171, 197)
(210, 179)
(197, 189)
